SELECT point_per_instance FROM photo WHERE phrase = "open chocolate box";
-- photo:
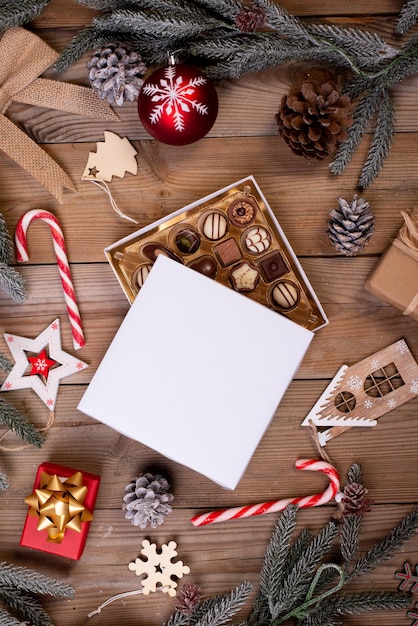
(233, 237)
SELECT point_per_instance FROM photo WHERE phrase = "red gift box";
(73, 542)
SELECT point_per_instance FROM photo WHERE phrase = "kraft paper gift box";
(72, 542)
(196, 372)
(395, 277)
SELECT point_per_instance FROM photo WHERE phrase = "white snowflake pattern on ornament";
(174, 96)
(401, 347)
(414, 386)
(375, 364)
(354, 383)
(368, 404)
(159, 568)
(391, 403)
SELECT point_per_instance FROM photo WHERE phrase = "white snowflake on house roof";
(174, 96)
(375, 364)
(354, 383)
(368, 404)
(414, 386)
(391, 403)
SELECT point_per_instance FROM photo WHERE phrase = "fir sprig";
(407, 17)
(17, 586)
(18, 12)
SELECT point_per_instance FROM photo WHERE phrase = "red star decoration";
(41, 364)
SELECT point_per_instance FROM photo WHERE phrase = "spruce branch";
(6, 243)
(381, 141)
(365, 112)
(407, 17)
(295, 585)
(12, 419)
(7, 619)
(355, 603)
(350, 536)
(26, 605)
(386, 548)
(12, 283)
(18, 577)
(19, 12)
(4, 483)
(5, 363)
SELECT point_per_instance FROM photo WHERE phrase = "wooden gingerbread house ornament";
(358, 395)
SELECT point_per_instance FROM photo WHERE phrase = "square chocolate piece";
(228, 252)
(273, 266)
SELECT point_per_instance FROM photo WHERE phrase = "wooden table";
(243, 141)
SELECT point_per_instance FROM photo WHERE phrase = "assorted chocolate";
(234, 240)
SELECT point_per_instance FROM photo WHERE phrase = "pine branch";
(5, 363)
(350, 535)
(296, 584)
(354, 474)
(19, 12)
(6, 619)
(4, 483)
(12, 283)
(355, 603)
(274, 561)
(214, 611)
(407, 17)
(6, 243)
(11, 418)
(364, 114)
(25, 579)
(367, 50)
(26, 605)
(284, 22)
(381, 141)
(385, 549)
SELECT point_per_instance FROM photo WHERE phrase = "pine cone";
(351, 226)
(354, 501)
(312, 120)
(146, 501)
(115, 73)
(188, 597)
(250, 18)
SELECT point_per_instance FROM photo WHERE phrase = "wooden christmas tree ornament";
(358, 395)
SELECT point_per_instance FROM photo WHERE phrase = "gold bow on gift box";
(59, 505)
(23, 57)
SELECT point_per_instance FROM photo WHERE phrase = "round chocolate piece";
(152, 250)
(214, 225)
(186, 240)
(242, 212)
(285, 295)
(257, 239)
(140, 275)
(205, 265)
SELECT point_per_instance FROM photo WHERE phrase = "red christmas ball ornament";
(178, 104)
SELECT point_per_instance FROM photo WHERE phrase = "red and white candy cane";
(63, 265)
(278, 505)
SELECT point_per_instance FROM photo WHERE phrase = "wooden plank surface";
(243, 141)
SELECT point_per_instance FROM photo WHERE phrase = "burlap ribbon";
(58, 504)
(23, 57)
(407, 241)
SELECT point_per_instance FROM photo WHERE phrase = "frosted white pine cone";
(147, 500)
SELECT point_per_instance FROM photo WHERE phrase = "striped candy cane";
(278, 505)
(63, 265)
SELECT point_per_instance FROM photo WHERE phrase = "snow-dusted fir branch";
(29, 580)
(18, 12)
(407, 17)
(381, 141)
(28, 606)
(12, 419)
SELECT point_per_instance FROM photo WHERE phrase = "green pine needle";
(19, 12)
(28, 580)
(26, 605)
(11, 418)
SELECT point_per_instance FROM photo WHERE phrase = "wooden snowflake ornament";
(358, 395)
(159, 568)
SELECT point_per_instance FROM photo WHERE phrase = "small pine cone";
(188, 597)
(147, 500)
(313, 120)
(115, 73)
(354, 501)
(250, 18)
(351, 226)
